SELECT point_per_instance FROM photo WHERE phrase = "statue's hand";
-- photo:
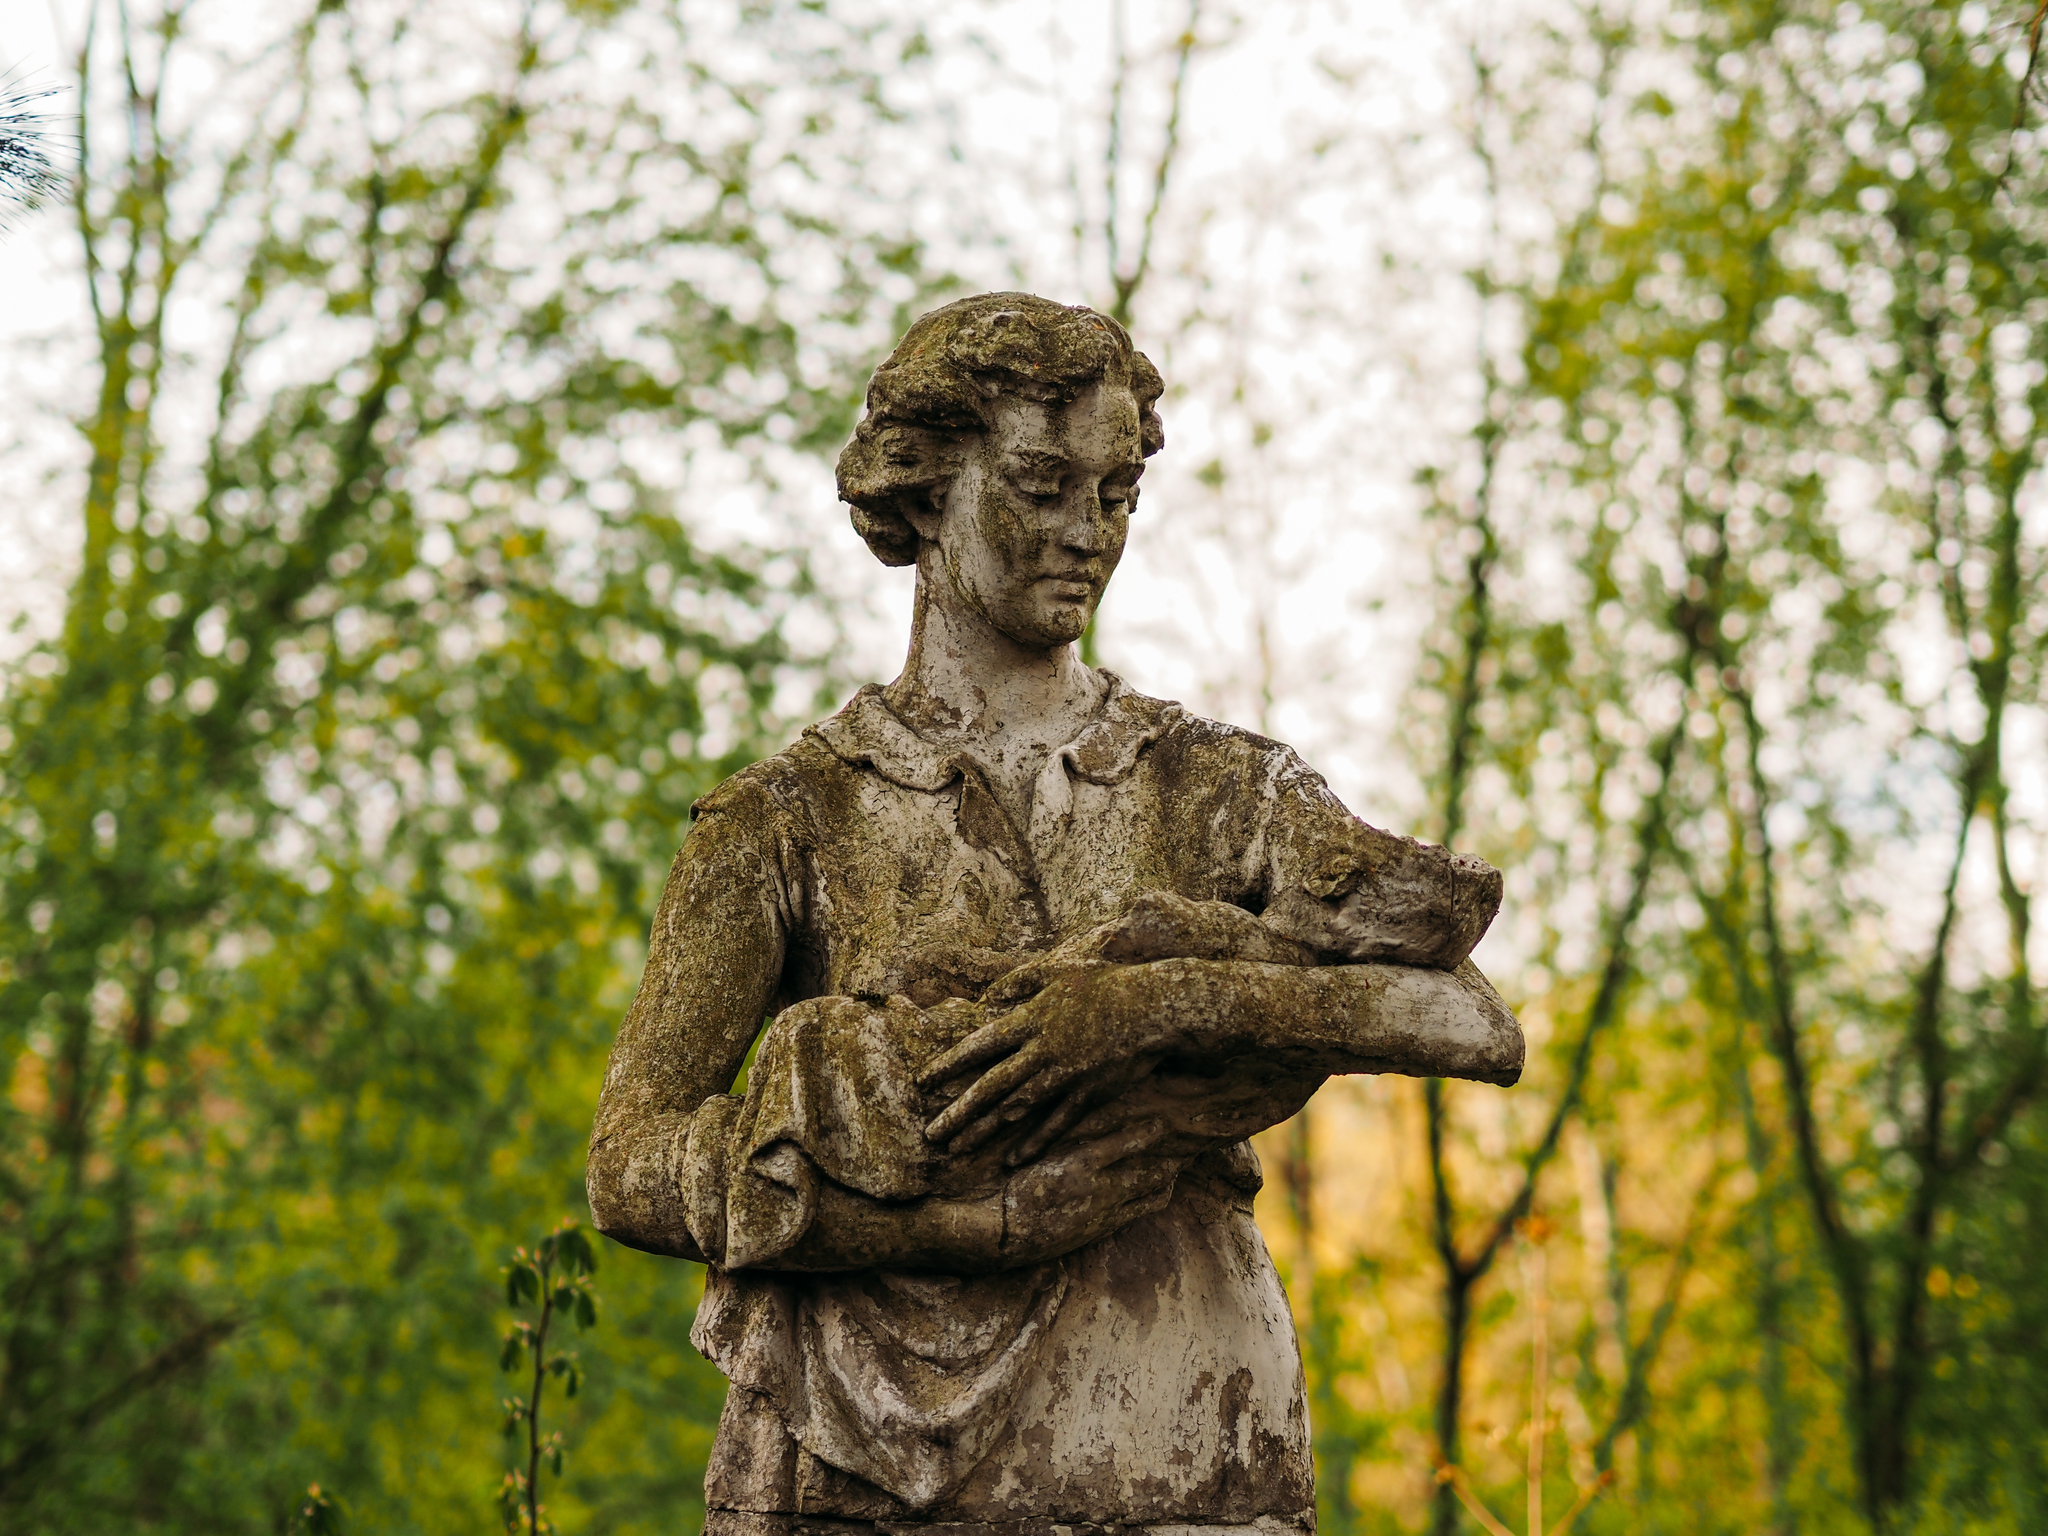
(1085, 1192)
(1084, 1039)
(1158, 926)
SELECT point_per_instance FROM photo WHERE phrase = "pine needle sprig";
(29, 177)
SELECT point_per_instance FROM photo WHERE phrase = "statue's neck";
(965, 681)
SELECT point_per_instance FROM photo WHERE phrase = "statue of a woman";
(1035, 954)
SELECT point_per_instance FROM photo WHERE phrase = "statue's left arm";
(1398, 917)
(1093, 1033)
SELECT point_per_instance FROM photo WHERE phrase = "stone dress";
(1151, 1378)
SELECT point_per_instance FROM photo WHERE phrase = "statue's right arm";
(714, 961)
(714, 957)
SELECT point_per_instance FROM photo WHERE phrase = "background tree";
(1777, 441)
(422, 344)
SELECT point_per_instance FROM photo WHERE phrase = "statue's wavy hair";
(937, 390)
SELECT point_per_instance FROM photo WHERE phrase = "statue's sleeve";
(1354, 893)
(714, 959)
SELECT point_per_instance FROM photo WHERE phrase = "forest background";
(1602, 435)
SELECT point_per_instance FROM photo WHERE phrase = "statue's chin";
(1051, 627)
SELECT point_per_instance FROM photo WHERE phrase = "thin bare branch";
(1113, 149)
(179, 1355)
(2029, 77)
(1127, 284)
(1455, 1479)
(1587, 1495)
(1634, 1399)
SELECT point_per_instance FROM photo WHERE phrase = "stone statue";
(1036, 953)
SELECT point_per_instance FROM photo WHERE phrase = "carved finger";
(988, 1096)
(1115, 1110)
(1145, 1205)
(1151, 1205)
(1033, 981)
(974, 1135)
(1001, 1118)
(1121, 1146)
(1026, 981)
(1063, 1118)
(1038, 1089)
(989, 1043)
(1089, 1161)
(1151, 1174)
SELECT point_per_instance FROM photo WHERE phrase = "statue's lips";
(1068, 589)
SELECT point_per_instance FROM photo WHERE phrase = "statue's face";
(1034, 523)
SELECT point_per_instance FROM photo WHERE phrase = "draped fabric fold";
(830, 1093)
(903, 1380)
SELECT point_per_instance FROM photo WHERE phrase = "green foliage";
(330, 822)
(1344, 1435)
(554, 1279)
(1770, 636)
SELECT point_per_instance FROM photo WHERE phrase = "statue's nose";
(1086, 531)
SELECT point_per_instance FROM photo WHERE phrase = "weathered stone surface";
(1037, 953)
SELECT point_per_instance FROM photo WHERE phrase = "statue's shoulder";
(1194, 742)
(1200, 733)
(777, 787)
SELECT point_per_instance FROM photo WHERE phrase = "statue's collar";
(867, 733)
